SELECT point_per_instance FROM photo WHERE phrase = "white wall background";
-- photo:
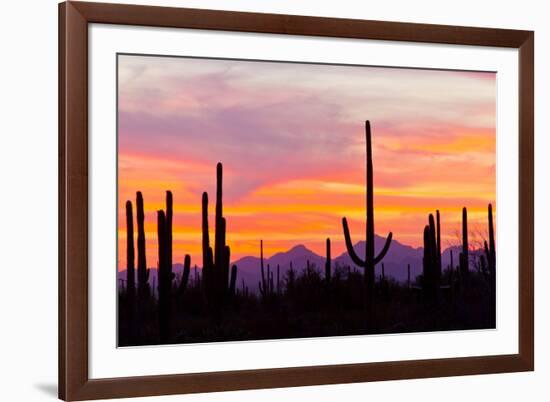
(28, 198)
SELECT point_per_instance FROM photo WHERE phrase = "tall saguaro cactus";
(370, 260)
(185, 274)
(165, 277)
(169, 217)
(490, 253)
(130, 255)
(142, 271)
(263, 285)
(438, 245)
(464, 255)
(432, 258)
(207, 253)
(217, 284)
(219, 227)
(328, 272)
(130, 269)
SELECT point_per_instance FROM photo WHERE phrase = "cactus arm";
(226, 267)
(349, 245)
(233, 280)
(186, 271)
(328, 262)
(384, 250)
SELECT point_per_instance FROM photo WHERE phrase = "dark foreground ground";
(307, 307)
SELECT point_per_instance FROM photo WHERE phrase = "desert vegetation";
(211, 303)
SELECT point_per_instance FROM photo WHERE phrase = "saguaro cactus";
(464, 257)
(266, 284)
(142, 271)
(370, 260)
(169, 215)
(207, 253)
(216, 281)
(263, 284)
(438, 245)
(490, 253)
(185, 274)
(328, 262)
(430, 261)
(233, 280)
(130, 270)
(165, 277)
(130, 255)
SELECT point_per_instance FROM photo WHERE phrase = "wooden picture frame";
(74, 381)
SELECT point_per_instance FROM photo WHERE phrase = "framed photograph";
(258, 200)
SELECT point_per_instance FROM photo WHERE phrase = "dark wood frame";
(74, 382)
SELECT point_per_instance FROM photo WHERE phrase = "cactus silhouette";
(328, 262)
(185, 274)
(169, 217)
(130, 269)
(482, 267)
(464, 255)
(142, 271)
(130, 256)
(370, 260)
(233, 280)
(263, 284)
(207, 254)
(216, 281)
(490, 253)
(165, 277)
(430, 261)
(438, 245)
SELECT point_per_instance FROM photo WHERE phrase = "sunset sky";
(291, 140)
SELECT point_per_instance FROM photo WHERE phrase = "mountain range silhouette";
(395, 262)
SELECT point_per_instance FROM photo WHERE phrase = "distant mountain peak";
(299, 248)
